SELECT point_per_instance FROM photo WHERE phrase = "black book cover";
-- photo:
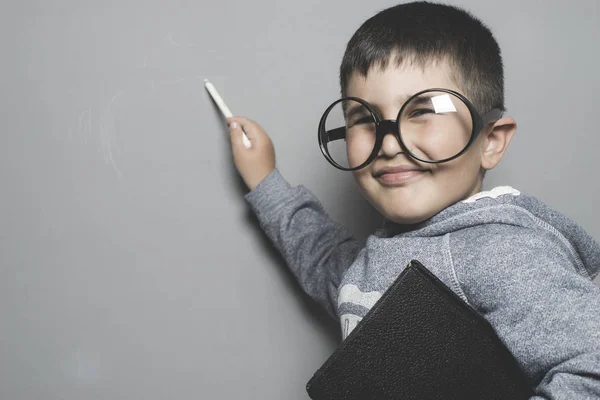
(420, 341)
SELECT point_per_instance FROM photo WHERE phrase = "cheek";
(358, 149)
(462, 169)
(364, 180)
(440, 137)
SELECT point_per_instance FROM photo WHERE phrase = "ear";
(496, 142)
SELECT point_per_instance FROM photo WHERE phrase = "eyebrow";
(354, 110)
(422, 100)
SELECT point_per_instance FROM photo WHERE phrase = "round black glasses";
(433, 126)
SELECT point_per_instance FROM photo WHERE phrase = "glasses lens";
(435, 126)
(349, 135)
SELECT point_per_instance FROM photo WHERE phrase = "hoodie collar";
(391, 228)
(507, 201)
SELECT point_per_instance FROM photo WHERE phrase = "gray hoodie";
(524, 267)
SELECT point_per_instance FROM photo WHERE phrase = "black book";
(420, 341)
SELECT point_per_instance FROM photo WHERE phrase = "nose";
(390, 145)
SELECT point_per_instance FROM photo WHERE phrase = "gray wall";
(130, 267)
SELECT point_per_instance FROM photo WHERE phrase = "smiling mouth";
(399, 177)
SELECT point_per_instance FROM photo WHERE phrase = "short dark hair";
(422, 32)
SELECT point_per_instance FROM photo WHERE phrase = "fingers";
(254, 162)
(235, 134)
(250, 127)
(252, 130)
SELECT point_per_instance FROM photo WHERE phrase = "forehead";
(393, 83)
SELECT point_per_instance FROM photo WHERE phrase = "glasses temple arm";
(492, 115)
(336, 134)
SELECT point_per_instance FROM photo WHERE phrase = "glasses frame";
(384, 127)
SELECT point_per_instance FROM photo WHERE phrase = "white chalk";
(223, 107)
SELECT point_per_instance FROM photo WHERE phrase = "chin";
(407, 218)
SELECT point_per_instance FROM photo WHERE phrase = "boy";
(524, 267)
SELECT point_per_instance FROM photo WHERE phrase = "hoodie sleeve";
(546, 311)
(317, 250)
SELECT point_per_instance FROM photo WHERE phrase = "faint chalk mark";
(171, 41)
(108, 135)
(84, 367)
(169, 38)
(83, 127)
(107, 128)
(88, 126)
(84, 124)
(156, 83)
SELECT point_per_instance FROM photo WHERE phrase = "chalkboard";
(130, 266)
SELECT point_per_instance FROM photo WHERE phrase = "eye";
(365, 120)
(359, 121)
(420, 111)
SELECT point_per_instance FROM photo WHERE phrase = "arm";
(547, 314)
(317, 250)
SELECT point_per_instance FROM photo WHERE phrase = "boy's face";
(413, 196)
